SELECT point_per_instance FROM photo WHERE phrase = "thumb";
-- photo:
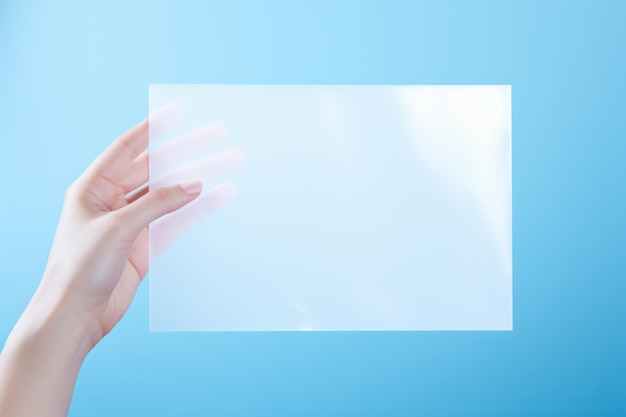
(157, 203)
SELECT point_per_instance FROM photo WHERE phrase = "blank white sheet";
(375, 207)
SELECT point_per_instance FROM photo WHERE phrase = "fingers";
(170, 154)
(204, 169)
(156, 203)
(166, 230)
(117, 158)
(115, 161)
(137, 174)
(187, 145)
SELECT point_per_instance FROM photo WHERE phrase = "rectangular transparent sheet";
(375, 207)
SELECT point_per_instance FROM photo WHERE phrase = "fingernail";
(193, 187)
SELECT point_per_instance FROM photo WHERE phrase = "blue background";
(75, 75)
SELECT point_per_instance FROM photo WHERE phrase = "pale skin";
(97, 261)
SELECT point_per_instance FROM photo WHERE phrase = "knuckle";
(162, 195)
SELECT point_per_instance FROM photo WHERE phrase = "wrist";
(56, 322)
(41, 359)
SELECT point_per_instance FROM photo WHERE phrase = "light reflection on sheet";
(357, 208)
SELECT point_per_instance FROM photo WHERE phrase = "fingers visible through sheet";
(171, 153)
(204, 169)
(178, 150)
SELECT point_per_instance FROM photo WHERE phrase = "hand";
(105, 234)
(98, 259)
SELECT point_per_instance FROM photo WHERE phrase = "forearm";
(41, 359)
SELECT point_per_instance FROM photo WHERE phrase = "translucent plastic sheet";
(356, 208)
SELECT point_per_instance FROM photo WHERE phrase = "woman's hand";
(98, 259)
(100, 250)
